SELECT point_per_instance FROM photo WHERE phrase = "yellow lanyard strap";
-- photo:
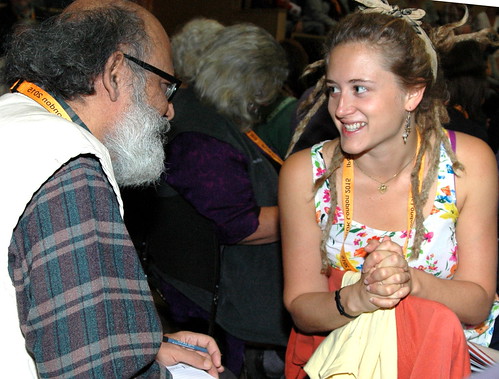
(348, 186)
(263, 146)
(41, 97)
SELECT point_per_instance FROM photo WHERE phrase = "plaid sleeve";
(84, 303)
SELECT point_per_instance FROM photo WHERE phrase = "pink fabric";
(301, 346)
(430, 341)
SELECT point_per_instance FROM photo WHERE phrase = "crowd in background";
(473, 85)
(479, 70)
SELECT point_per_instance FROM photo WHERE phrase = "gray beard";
(136, 144)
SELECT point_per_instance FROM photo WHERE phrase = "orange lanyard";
(49, 103)
(41, 96)
(459, 108)
(263, 146)
(348, 186)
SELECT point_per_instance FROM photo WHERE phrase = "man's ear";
(113, 75)
(414, 97)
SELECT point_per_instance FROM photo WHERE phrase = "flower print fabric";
(438, 254)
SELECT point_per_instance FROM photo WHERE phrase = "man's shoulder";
(34, 146)
(85, 165)
(27, 129)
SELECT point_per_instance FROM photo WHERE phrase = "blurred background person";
(464, 68)
(14, 12)
(212, 238)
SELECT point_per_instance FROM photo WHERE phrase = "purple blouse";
(213, 176)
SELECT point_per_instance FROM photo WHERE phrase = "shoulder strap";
(452, 137)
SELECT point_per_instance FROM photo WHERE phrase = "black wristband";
(337, 298)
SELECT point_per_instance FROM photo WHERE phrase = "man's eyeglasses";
(173, 84)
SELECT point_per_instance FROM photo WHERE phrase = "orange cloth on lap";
(301, 346)
(430, 341)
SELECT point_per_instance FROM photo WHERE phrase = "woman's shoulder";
(473, 151)
(299, 160)
(324, 148)
(478, 180)
(306, 165)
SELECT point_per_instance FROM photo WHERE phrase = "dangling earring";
(407, 129)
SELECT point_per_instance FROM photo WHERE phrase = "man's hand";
(170, 354)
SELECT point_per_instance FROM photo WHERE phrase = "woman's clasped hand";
(386, 276)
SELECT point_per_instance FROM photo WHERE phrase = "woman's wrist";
(415, 283)
(339, 305)
(350, 303)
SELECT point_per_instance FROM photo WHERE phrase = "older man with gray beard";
(91, 92)
(136, 142)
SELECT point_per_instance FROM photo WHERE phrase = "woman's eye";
(332, 90)
(360, 89)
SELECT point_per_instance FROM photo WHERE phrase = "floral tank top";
(438, 254)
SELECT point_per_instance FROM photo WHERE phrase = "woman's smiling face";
(366, 101)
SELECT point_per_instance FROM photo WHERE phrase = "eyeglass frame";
(174, 83)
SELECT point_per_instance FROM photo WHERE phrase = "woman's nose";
(344, 106)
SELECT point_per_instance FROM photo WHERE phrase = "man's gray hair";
(65, 53)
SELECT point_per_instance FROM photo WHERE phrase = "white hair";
(136, 143)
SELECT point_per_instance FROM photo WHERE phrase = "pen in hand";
(184, 344)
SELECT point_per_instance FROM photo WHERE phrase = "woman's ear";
(414, 97)
(113, 75)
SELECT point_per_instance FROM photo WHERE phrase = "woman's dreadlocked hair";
(405, 55)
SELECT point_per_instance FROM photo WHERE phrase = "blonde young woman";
(395, 198)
